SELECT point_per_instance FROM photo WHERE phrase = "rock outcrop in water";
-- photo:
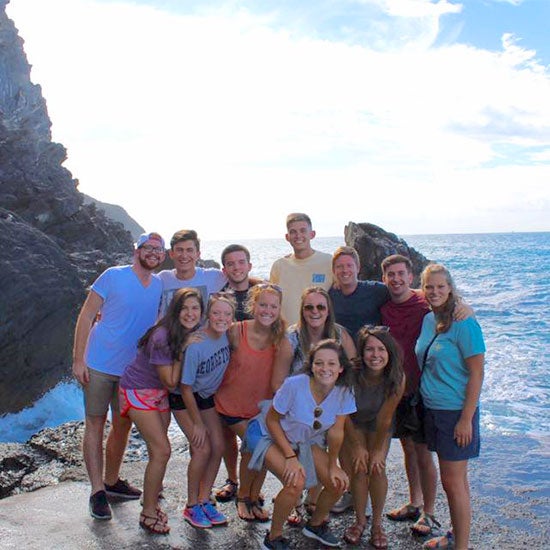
(374, 244)
(52, 244)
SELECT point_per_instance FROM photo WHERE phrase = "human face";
(190, 313)
(326, 367)
(375, 354)
(345, 271)
(398, 279)
(315, 310)
(299, 236)
(220, 317)
(150, 255)
(185, 255)
(267, 307)
(236, 267)
(436, 289)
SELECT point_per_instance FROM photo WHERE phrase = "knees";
(160, 452)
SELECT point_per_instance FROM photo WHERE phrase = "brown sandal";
(405, 513)
(248, 507)
(227, 492)
(378, 537)
(296, 517)
(259, 512)
(153, 524)
(354, 533)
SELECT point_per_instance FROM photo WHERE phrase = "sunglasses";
(318, 307)
(151, 248)
(376, 328)
(270, 286)
(317, 412)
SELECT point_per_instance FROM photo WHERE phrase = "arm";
(170, 375)
(462, 311)
(360, 454)
(293, 468)
(463, 428)
(383, 425)
(86, 319)
(281, 364)
(335, 438)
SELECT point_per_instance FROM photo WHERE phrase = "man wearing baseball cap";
(126, 300)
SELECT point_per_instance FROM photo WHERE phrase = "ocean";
(505, 277)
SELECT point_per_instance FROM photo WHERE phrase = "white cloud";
(233, 122)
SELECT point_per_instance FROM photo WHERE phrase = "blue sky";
(419, 116)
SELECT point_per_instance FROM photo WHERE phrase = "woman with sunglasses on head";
(316, 323)
(247, 382)
(300, 438)
(379, 386)
(451, 355)
(204, 364)
(143, 394)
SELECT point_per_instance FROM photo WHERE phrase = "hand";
(81, 372)
(293, 472)
(462, 311)
(339, 478)
(377, 463)
(198, 435)
(463, 432)
(360, 460)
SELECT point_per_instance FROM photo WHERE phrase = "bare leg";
(231, 453)
(214, 426)
(117, 440)
(454, 478)
(428, 476)
(92, 450)
(378, 482)
(412, 471)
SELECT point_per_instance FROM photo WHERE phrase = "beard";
(147, 265)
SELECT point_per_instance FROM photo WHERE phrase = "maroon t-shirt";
(405, 322)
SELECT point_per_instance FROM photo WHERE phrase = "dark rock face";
(373, 244)
(53, 245)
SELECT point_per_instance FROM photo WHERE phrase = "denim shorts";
(439, 430)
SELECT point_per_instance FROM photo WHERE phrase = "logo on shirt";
(318, 278)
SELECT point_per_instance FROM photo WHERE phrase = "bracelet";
(291, 456)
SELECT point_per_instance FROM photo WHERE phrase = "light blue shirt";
(445, 374)
(129, 309)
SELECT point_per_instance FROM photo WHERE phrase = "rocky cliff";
(52, 244)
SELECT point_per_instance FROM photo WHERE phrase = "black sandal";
(227, 492)
(248, 506)
(153, 524)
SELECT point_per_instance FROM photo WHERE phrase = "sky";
(224, 116)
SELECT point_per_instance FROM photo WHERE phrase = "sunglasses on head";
(376, 328)
(312, 307)
(268, 286)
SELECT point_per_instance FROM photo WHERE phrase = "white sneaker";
(343, 503)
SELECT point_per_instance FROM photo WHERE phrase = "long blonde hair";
(278, 328)
(444, 315)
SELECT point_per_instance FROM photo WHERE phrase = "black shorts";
(177, 404)
(232, 420)
(404, 417)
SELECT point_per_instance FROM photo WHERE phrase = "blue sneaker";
(196, 517)
(212, 514)
(321, 533)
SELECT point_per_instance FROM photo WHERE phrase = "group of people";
(313, 371)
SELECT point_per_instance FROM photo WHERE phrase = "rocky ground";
(56, 516)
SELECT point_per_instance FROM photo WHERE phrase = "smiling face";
(398, 279)
(236, 267)
(150, 255)
(267, 307)
(345, 271)
(299, 235)
(326, 367)
(190, 313)
(436, 289)
(315, 310)
(220, 317)
(375, 354)
(185, 255)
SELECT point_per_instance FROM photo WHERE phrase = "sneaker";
(321, 533)
(279, 543)
(196, 517)
(343, 503)
(99, 507)
(212, 514)
(122, 489)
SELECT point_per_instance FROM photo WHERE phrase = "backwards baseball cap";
(144, 237)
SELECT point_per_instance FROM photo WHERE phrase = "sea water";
(504, 277)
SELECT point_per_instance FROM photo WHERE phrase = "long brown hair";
(345, 378)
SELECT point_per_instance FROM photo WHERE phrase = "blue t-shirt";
(361, 307)
(129, 309)
(445, 374)
(204, 365)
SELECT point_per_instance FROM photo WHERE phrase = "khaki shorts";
(100, 392)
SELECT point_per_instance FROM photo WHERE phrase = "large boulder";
(373, 244)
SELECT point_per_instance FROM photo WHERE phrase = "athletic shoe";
(343, 503)
(321, 533)
(122, 489)
(276, 544)
(196, 517)
(99, 507)
(212, 514)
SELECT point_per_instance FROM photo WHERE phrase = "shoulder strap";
(426, 357)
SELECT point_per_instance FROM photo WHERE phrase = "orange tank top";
(247, 379)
